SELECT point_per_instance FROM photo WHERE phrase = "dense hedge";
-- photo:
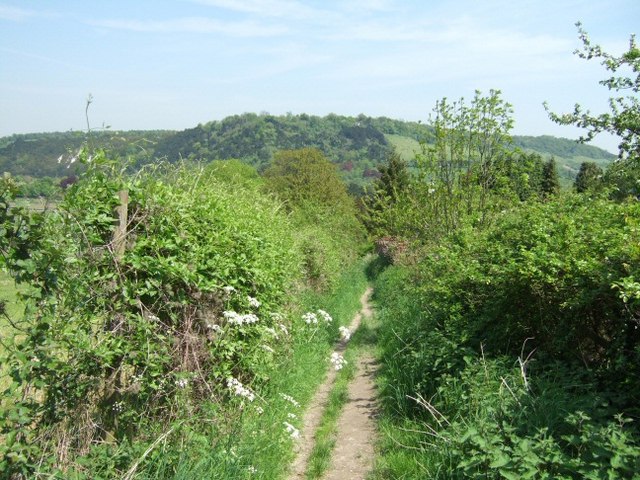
(521, 344)
(116, 347)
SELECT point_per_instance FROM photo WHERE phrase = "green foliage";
(467, 175)
(514, 350)
(328, 232)
(387, 190)
(112, 344)
(589, 177)
(624, 116)
(306, 177)
(550, 185)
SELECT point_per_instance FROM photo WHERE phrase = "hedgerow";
(120, 348)
(515, 349)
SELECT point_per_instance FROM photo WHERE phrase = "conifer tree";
(589, 177)
(550, 182)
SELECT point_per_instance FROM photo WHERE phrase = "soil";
(353, 452)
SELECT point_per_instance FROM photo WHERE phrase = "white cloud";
(266, 8)
(193, 25)
(14, 14)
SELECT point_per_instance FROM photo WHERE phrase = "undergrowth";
(513, 352)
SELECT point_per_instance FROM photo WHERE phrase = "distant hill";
(356, 144)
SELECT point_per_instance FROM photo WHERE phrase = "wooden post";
(120, 235)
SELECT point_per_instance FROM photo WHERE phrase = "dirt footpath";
(353, 454)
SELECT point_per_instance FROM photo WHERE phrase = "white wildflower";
(250, 318)
(215, 328)
(229, 289)
(293, 416)
(283, 328)
(345, 333)
(271, 331)
(240, 390)
(325, 316)
(267, 348)
(182, 383)
(291, 430)
(310, 318)
(260, 410)
(253, 301)
(276, 316)
(235, 318)
(118, 407)
(290, 399)
(337, 360)
(252, 470)
(232, 317)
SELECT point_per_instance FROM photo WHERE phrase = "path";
(353, 453)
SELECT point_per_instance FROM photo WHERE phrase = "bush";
(116, 345)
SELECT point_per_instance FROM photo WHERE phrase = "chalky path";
(353, 454)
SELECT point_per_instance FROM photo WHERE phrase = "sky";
(174, 64)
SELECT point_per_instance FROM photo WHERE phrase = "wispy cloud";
(14, 14)
(193, 25)
(291, 9)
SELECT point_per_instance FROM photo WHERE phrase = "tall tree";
(394, 176)
(305, 176)
(550, 182)
(622, 120)
(387, 191)
(589, 177)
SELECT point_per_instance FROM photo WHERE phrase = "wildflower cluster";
(240, 390)
(325, 316)
(345, 333)
(235, 318)
(312, 318)
(253, 302)
(337, 360)
(291, 430)
(290, 399)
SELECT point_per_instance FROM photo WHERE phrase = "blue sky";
(173, 64)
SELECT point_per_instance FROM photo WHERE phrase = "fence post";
(120, 235)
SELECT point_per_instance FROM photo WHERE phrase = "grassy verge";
(255, 442)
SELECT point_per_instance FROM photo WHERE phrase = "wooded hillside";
(358, 145)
